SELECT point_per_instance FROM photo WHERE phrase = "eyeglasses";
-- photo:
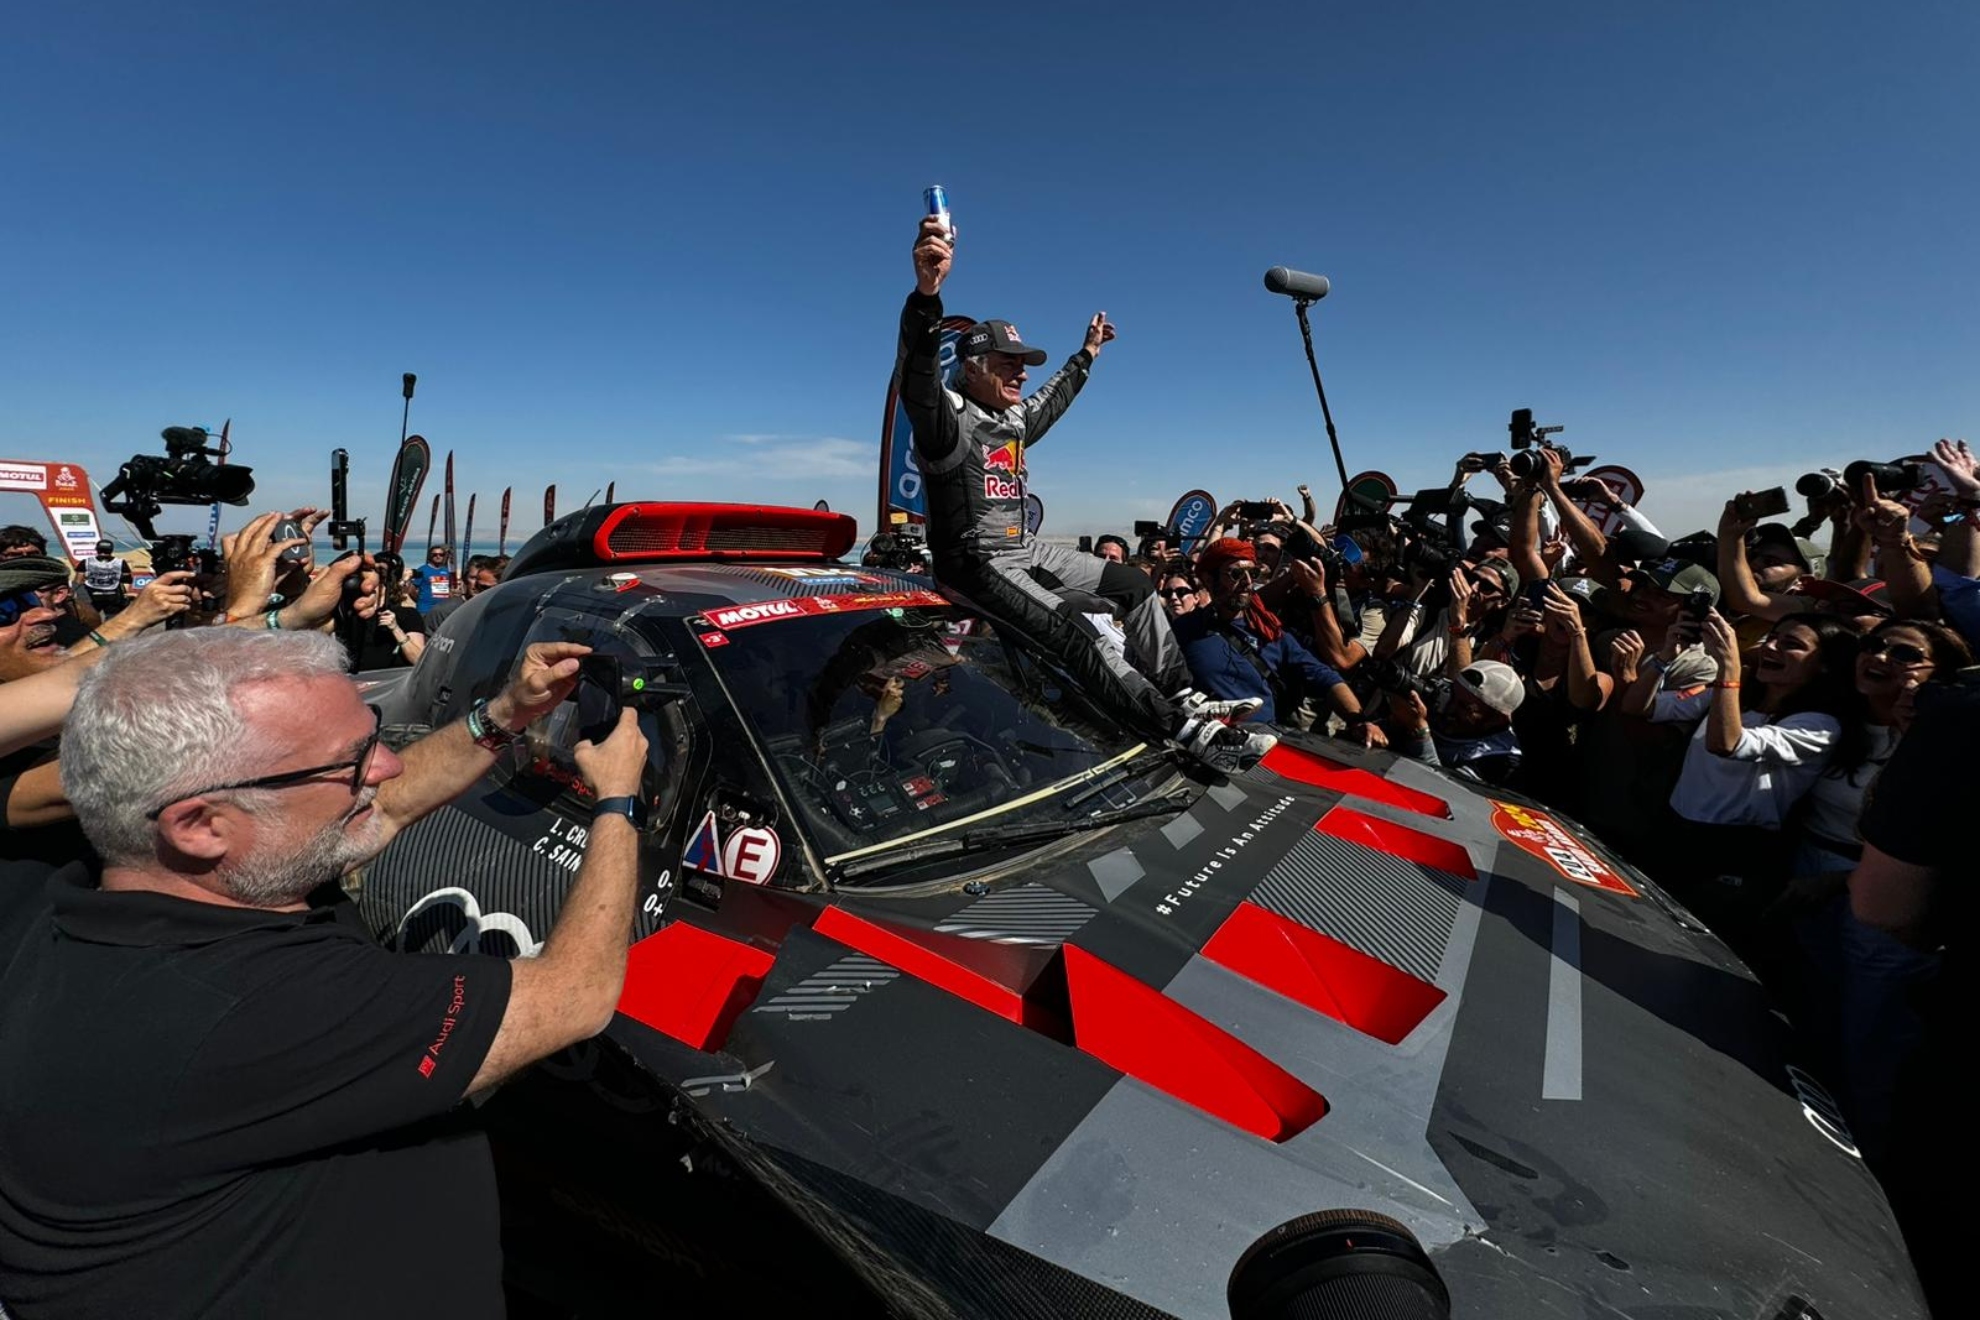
(1240, 573)
(1178, 593)
(14, 606)
(1899, 653)
(289, 778)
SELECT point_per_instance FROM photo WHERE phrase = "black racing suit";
(972, 467)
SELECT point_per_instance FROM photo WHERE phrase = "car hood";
(1342, 980)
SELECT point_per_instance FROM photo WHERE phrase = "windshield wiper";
(1126, 770)
(1004, 836)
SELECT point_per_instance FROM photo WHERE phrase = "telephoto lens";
(1818, 485)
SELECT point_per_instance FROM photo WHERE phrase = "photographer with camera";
(1463, 723)
(1239, 650)
(231, 1054)
(1422, 628)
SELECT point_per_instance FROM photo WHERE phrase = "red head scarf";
(1218, 556)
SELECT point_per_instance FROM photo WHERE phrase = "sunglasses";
(1237, 573)
(1899, 653)
(358, 767)
(14, 606)
(1178, 593)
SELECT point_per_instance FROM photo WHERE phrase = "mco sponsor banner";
(65, 495)
(901, 488)
(1191, 518)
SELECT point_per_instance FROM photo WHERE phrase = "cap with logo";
(31, 573)
(1497, 685)
(1678, 576)
(998, 337)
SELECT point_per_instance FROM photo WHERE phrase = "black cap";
(1637, 545)
(999, 337)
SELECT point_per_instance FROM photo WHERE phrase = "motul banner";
(66, 497)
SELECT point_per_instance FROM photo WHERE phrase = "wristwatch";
(624, 805)
(485, 731)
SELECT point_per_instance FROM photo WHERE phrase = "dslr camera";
(186, 474)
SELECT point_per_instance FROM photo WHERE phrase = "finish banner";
(66, 497)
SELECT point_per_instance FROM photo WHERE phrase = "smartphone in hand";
(1755, 505)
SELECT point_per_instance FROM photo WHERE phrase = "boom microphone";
(1296, 283)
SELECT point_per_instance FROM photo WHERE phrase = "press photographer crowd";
(1775, 722)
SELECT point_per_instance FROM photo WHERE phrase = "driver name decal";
(1537, 833)
(732, 617)
(1170, 901)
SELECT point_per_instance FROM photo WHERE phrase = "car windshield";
(887, 726)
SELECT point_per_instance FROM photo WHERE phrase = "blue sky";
(668, 246)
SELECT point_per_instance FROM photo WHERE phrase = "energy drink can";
(937, 199)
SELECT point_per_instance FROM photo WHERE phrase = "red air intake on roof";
(635, 533)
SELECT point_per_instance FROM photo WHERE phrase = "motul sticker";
(742, 616)
(733, 617)
(1535, 832)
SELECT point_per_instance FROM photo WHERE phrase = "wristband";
(272, 621)
(98, 638)
(1727, 686)
(485, 732)
(625, 805)
(1656, 663)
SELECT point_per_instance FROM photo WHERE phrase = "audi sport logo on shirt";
(740, 616)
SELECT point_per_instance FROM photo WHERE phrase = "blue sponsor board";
(904, 491)
(1192, 517)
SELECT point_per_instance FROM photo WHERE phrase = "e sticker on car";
(1537, 833)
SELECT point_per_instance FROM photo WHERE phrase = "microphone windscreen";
(1296, 283)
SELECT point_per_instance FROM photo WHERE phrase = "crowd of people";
(1779, 730)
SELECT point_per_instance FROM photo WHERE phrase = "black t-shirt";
(1917, 810)
(380, 650)
(212, 1111)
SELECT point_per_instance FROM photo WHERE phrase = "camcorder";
(1528, 439)
(186, 474)
(900, 548)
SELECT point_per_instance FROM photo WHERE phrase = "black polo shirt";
(213, 1111)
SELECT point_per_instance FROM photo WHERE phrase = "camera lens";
(1338, 1263)
(1815, 485)
(1525, 463)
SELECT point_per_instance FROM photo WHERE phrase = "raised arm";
(1739, 591)
(917, 364)
(568, 991)
(1052, 398)
(1582, 533)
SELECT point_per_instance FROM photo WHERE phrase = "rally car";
(950, 997)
